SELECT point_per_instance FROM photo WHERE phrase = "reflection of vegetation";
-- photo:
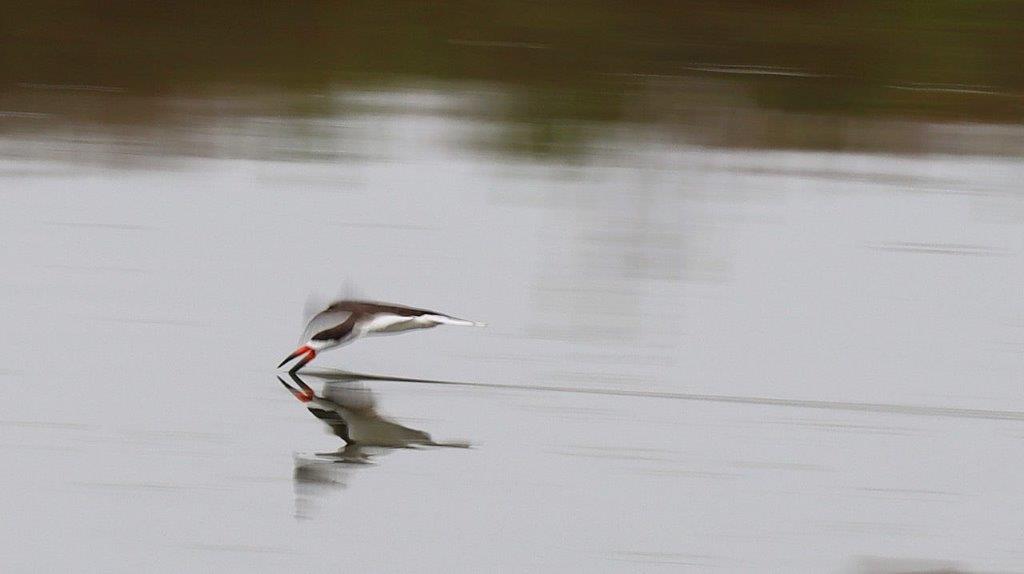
(567, 61)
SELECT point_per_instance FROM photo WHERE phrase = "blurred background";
(752, 276)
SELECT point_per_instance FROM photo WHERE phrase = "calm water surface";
(812, 358)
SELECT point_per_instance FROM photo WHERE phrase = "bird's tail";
(446, 320)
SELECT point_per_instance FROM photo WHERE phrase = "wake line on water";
(886, 408)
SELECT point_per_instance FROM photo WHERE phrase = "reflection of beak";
(303, 350)
(304, 395)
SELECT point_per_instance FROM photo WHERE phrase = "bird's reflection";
(348, 409)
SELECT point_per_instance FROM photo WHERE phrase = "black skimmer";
(345, 321)
(350, 414)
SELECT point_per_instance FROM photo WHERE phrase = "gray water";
(697, 359)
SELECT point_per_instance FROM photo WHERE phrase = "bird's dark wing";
(338, 331)
(329, 318)
(371, 307)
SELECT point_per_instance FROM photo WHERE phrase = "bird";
(350, 414)
(347, 320)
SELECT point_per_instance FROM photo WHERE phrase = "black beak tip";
(288, 358)
(301, 363)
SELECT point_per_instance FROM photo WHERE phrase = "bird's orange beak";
(306, 350)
